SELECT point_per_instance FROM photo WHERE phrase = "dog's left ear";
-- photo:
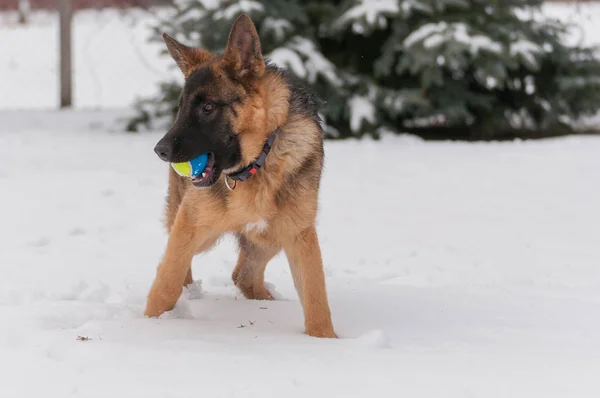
(243, 56)
(187, 58)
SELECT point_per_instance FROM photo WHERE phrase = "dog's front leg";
(304, 255)
(185, 240)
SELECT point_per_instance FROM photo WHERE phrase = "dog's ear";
(243, 56)
(187, 58)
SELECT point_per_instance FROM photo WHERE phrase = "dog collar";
(253, 167)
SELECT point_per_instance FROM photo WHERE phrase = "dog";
(262, 131)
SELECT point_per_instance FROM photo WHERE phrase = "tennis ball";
(193, 168)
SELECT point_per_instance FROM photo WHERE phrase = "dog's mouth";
(210, 174)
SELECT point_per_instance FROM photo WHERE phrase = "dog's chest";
(257, 227)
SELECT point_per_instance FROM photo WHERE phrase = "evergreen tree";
(288, 31)
(469, 69)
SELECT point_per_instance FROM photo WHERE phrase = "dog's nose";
(164, 150)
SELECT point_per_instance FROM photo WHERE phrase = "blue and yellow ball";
(193, 168)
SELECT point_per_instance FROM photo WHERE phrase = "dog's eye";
(208, 107)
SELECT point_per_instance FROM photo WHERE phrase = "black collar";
(253, 167)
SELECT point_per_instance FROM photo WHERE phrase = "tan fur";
(287, 210)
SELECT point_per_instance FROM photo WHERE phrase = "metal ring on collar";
(227, 183)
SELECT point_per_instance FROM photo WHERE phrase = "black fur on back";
(303, 100)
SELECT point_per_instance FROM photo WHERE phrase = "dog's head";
(221, 111)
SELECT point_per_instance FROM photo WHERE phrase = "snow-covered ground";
(453, 269)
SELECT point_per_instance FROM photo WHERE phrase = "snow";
(242, 6)
(476, 43)
(433, 35)
(374, 13)
(278, 26)
(584, 16)
(288, 58)
(527, 51)
(314, 62)
(453, 269)
(424, 32)
(369, 10)
(360, 108)
(417, 5)
(396, 102)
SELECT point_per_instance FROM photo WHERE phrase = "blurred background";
(459, 69)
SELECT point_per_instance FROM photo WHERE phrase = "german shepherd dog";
(263, 134)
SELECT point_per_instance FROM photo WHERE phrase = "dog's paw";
(256, 293)
(324, 333)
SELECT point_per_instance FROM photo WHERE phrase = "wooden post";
(23, 11)
(65, 11)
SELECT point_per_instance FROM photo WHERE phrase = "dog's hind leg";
(249, 273)
(297, 277)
